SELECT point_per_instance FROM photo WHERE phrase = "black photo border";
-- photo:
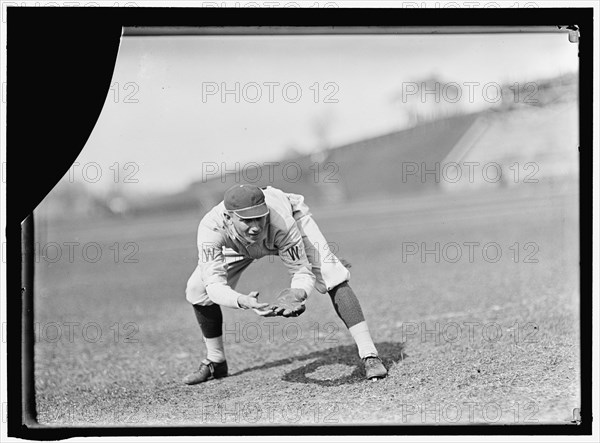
(67, 56)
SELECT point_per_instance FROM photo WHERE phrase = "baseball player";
(251, 223)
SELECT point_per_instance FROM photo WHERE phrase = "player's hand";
(250, 301)
(290, 302)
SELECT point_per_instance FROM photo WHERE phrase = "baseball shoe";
(374, 368)
(208, 370)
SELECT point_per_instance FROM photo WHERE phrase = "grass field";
(469, 339)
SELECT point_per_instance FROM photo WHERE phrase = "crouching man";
(251, 223)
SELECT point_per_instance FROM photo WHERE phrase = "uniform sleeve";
(293, 255)
(213, 269)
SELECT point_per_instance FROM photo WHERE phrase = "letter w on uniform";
(294, 252)
(209, 253)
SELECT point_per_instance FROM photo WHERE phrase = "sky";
(166, 120)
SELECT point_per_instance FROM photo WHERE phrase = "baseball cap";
(246, 201)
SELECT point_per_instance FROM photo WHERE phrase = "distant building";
(526, 145)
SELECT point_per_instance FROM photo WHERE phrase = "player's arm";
(214, 273)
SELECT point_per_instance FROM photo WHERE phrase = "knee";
(341, 285)
(194, 286)
(343, 293)
(335, 274)
(195, 293)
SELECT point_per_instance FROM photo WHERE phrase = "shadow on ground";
(389, 352)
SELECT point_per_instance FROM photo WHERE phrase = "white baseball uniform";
(291, 233)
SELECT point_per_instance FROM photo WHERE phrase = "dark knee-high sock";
(348, 308)
(210, 319)
(346, 305)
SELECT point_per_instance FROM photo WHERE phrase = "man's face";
(250, 229)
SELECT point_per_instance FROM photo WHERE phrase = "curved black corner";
(60, 63)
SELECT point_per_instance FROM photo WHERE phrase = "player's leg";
(333, 277)
(348, 309)
(210, 319)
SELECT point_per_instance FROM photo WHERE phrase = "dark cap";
(246, 201)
